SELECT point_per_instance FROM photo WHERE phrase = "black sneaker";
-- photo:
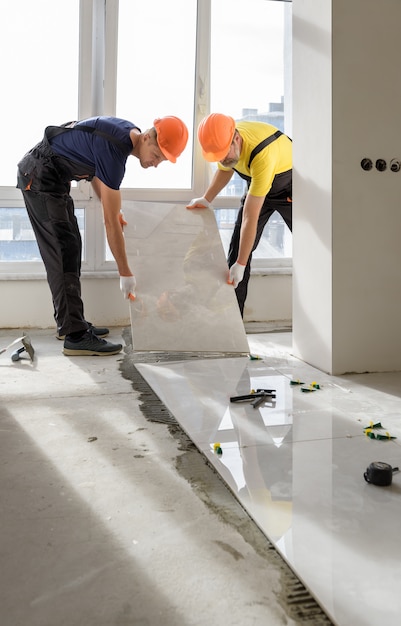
(90, 345)
(98, 330)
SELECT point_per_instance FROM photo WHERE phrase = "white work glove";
(199, 203)
(127, 286)
(236, 274)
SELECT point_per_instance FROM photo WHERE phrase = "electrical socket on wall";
(380, 165)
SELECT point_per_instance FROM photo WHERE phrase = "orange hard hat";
(172, 136)
(215, 134)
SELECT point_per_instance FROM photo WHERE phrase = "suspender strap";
(53, 131)
(263, 144)
(256, 151)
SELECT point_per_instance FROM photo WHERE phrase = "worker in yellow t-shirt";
(262, 155)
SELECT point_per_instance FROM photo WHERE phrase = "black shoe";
(90, 345)
(98, 330)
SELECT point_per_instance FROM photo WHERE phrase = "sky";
(155, 66)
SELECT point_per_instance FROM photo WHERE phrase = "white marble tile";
(198, 394)
(183, 302)
(298, 468)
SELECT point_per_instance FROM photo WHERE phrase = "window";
(156, 77)
(138, 60)
(39, 63)
(39, 60)
(17, 240)
(248, 70)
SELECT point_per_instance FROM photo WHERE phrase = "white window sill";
(271, 271)
(42, 275)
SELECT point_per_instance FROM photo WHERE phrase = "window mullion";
(201, 169)
(110, 59)
(86, 34)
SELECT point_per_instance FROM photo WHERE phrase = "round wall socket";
(366, 164)
(381, 165)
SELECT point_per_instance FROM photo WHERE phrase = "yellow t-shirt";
(276, 158)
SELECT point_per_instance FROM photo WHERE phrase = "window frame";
(97, 79)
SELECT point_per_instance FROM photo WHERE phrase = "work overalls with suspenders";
(44, 179)
(278, 199)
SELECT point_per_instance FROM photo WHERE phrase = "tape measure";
(379, 473)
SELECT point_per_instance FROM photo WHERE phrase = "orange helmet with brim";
(172, 136)
(215, 134)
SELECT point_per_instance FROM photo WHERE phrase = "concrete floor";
(112, 517)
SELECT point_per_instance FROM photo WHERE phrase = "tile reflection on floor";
(297, 466)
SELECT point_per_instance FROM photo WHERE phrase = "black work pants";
(278, 203)
(59, 241)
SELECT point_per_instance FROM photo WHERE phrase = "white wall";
(312, 162)
(27, 303)
(347, 222)
(269, 299)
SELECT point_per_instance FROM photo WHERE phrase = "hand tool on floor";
(379, 473)
(258, 397)
(26, 347)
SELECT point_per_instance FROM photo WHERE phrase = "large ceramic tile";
(364, 398)
(183, 301)
(198, 393)
(344, 540)
(297, 466)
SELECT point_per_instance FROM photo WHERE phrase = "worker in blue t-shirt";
(95, 149)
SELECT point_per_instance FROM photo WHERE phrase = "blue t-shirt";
(101, 157)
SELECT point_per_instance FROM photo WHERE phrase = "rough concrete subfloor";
(111, 516)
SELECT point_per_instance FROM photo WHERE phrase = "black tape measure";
(379, 473)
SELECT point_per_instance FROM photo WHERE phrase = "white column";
(347, 221)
